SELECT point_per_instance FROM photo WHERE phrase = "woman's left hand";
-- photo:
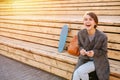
(90, 53)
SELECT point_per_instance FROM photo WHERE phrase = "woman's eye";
(85, 19)
(90, 19)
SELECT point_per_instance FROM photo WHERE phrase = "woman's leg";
(82, 71)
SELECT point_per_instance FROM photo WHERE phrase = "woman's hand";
(83, 52)
(90, 53)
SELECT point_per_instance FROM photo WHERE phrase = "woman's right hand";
(83, 52)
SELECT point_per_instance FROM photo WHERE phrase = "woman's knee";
(79, 72)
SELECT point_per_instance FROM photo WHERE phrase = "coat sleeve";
(79, 41)
(103, 49)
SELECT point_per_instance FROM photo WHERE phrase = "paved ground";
(13, 70)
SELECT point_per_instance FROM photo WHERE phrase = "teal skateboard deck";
(63, 37)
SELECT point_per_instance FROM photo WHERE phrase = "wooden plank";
(52, 4)
(55, 63)
(40, 8)
(18, 43)
(113, 29)
(33, 23)
(57, 25)
(32, 39)
(114, 54)
(115, 39)
(115, 75)
(92, 0)
(17, 51)
(114, 46)
(41, 29)
(104, 20)
(114, 78)
(34, 34)
(103, 12)
(62, 1)
(114, 66)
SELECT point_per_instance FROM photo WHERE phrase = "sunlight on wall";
(19, 4)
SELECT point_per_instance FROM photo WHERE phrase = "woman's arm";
(82, 50)
(102, 50)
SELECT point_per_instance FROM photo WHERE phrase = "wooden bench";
(31, 36)
(63, 7)
(36, 45)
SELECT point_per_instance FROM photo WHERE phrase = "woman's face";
(88, 22)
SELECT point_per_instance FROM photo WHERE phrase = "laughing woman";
(93, 50)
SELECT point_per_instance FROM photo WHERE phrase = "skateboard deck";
(63, 37)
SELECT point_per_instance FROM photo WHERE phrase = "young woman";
(93, 51)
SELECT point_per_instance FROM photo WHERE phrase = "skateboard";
(63, 37)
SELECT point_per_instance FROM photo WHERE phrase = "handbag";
(73, 47)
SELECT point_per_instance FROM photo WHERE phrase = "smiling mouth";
(88, 25)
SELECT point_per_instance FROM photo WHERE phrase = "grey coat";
(99, 46)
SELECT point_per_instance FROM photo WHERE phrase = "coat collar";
(87, 41)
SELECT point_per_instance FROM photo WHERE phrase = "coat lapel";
(87, 44)
(87, 41)
(96, 35)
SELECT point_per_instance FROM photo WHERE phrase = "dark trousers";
(93, 76)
